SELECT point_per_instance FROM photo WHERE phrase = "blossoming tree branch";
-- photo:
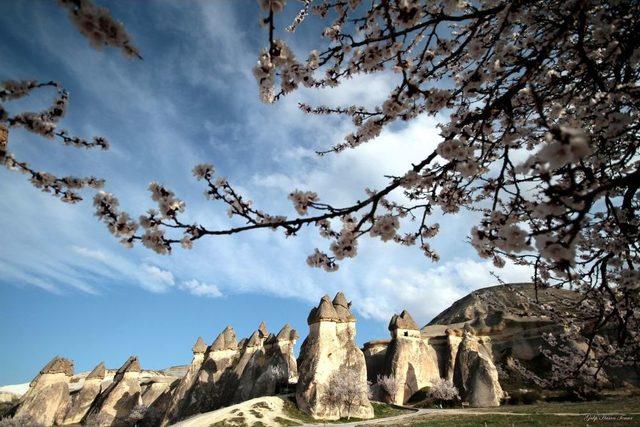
(99, 27)
(538, 110)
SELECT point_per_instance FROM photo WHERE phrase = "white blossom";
(385, 227)
(302, 200)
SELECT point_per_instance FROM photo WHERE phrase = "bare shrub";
(389, 385)
(345, 390)
(443, 392)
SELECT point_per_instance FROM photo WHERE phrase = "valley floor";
(621, 411)
(280, 411)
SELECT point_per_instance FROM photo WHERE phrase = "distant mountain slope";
(504, 298)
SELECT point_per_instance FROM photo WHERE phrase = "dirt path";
(378, 421)
(416, 413)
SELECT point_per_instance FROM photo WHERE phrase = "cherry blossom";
(99, 27)
(45, 124)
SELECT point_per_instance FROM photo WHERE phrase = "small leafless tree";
(389, 384)
(442, 391)
(345, 390)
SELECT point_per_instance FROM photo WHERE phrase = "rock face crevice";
(329, 348)
(475, 374)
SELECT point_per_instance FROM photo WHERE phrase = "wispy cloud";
(200, 289)
(193, 99)
(156, 279)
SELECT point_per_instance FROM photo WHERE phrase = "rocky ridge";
(228, 372)
(474, 344)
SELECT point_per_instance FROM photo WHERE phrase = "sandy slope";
(259, 411)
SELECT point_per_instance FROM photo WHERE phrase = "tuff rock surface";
(475, 375)
(266, 364)
(47, 400)
(115, 403)
(82, 400)
(508, 329)
(199, 390)
(409, 359)
(329, 347)
(228, 372)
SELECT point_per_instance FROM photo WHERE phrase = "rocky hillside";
(485, 301)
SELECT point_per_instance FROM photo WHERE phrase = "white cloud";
(90, 253)
(155, 279)
(341, 179)
(200, 289)
(426, 293)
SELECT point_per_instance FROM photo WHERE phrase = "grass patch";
(232, 422)
(383, 410)
(284, 422)
(539, 414)
(610, 405)
(380, 410)
(260, 405)
(290, 409)
(255, 413)
(493, 420)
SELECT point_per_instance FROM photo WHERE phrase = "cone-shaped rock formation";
(114, 404)
(409, 359)
(330, 348)
(82, 401)
(47, 400)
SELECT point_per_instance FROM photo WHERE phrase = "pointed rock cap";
(230, 339)
(312, 317)
(58, 365)
(342, 306)
(403, 321)
(262, 329)
(285, 333)
(199, 347)
(98, 372)
(254, 339)
(341, 300)
(324, 312)
(271, 339)
(243, 343)
(131, 365)
(345, 315)
(227, 340)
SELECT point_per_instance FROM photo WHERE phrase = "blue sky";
(68, 288)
